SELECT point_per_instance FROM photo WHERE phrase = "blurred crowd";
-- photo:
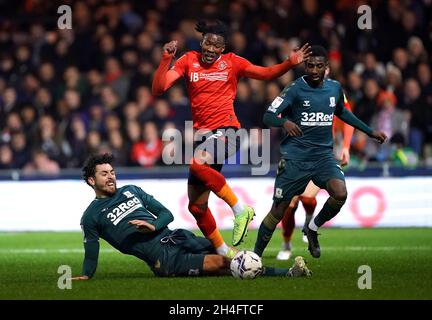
(67, 93)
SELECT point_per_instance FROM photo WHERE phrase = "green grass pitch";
(400, 260)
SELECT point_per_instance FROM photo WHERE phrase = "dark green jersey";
(312, 109)
(108, 218)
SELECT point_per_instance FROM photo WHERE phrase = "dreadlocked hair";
(219, 28)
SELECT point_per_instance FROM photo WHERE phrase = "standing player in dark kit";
(307, 150)
(211, 79)
(308, 197)
(135, 223)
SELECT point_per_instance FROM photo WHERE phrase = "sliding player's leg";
(189, 264)
(186, 254)
(218, 265)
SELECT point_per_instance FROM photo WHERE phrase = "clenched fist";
(170, 47)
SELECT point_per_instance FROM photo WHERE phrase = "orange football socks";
(207, 224)
(215, 181)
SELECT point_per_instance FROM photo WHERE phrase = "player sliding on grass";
(135, 223)
(307, 150)
(211, 79)
(308, 197)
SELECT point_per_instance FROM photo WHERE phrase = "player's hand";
(170, 47)
(143, 226)
(344, 157)
(292, 129)
(380, 136)
(80, 278)
(300, 55)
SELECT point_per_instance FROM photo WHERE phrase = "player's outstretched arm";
(163, 77)
(348, 117)
(275, 71)
(91, 255)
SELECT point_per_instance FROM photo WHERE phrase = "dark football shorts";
(221, 144)
(293, 176)
(182, 254)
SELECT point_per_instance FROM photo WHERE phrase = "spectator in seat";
(148, 151)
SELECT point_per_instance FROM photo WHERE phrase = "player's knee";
(197, 208)
(309, 202)
(340, 195)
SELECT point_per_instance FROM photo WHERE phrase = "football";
(246, 265)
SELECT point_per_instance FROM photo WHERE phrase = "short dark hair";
(319, 51)
(219, 28)
(89, 169)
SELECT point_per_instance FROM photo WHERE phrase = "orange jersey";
(212, 89)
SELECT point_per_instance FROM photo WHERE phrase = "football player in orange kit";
(212, 78)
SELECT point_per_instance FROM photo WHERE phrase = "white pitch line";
(329, 248)
(364, 248)
(44, 251)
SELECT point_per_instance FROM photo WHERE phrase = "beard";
(107, 189)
